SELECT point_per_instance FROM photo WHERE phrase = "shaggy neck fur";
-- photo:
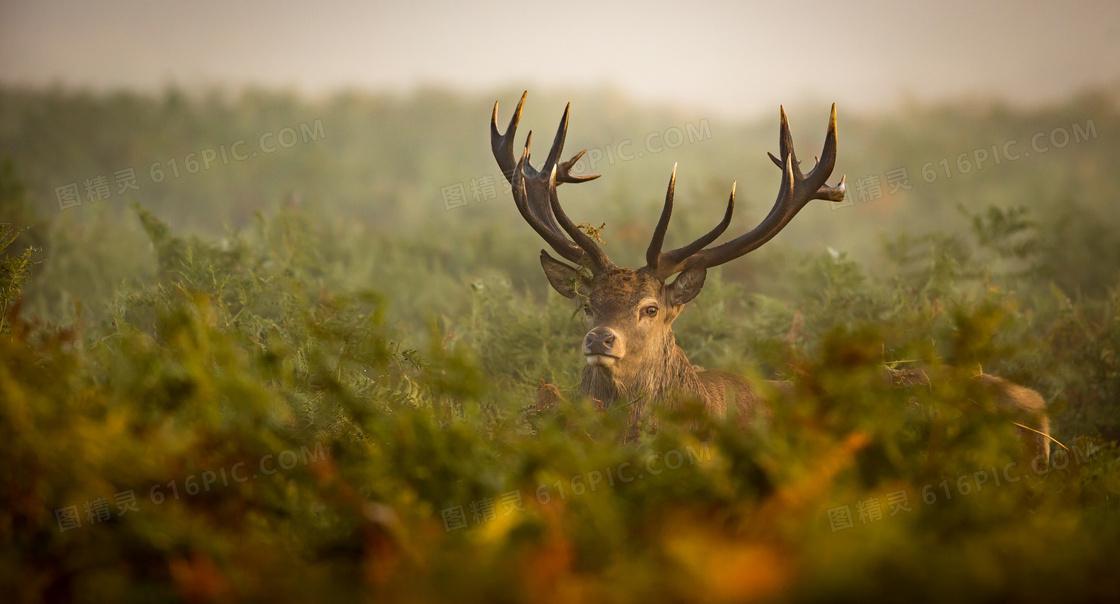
(662, 379)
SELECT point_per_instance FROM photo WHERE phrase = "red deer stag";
(630, 351)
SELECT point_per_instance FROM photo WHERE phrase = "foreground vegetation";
(308, 406)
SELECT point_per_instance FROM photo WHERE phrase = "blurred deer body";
(630, 351)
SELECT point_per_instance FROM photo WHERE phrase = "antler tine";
(668, 263)
(796, 191)
(594, 253)
(785, 142)
(785, 145)
(565, 175)
(676, 258)
(653, 253)
(828, 154)
(502, 144)
(817, 176)
(557, 142)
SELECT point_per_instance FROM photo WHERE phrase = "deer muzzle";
(602, 346)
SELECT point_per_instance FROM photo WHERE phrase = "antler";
(796, 191)
(534, 191)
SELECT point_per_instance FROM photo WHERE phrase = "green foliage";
(302, 402)
(15, 270)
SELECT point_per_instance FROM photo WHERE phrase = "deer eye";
(650, 311)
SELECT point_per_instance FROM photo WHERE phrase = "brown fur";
(1025, 405)
(654, 371)
(1030, 409)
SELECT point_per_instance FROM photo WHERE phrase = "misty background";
(375, 116)
(737, 59)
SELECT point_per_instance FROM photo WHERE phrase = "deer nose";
(599, 341)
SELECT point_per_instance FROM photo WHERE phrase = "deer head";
(629, 347)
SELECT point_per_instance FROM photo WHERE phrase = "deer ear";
(687, 284)
(562, 277)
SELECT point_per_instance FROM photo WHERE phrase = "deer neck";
(662, 378)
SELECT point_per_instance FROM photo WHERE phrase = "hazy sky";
(732, 57)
